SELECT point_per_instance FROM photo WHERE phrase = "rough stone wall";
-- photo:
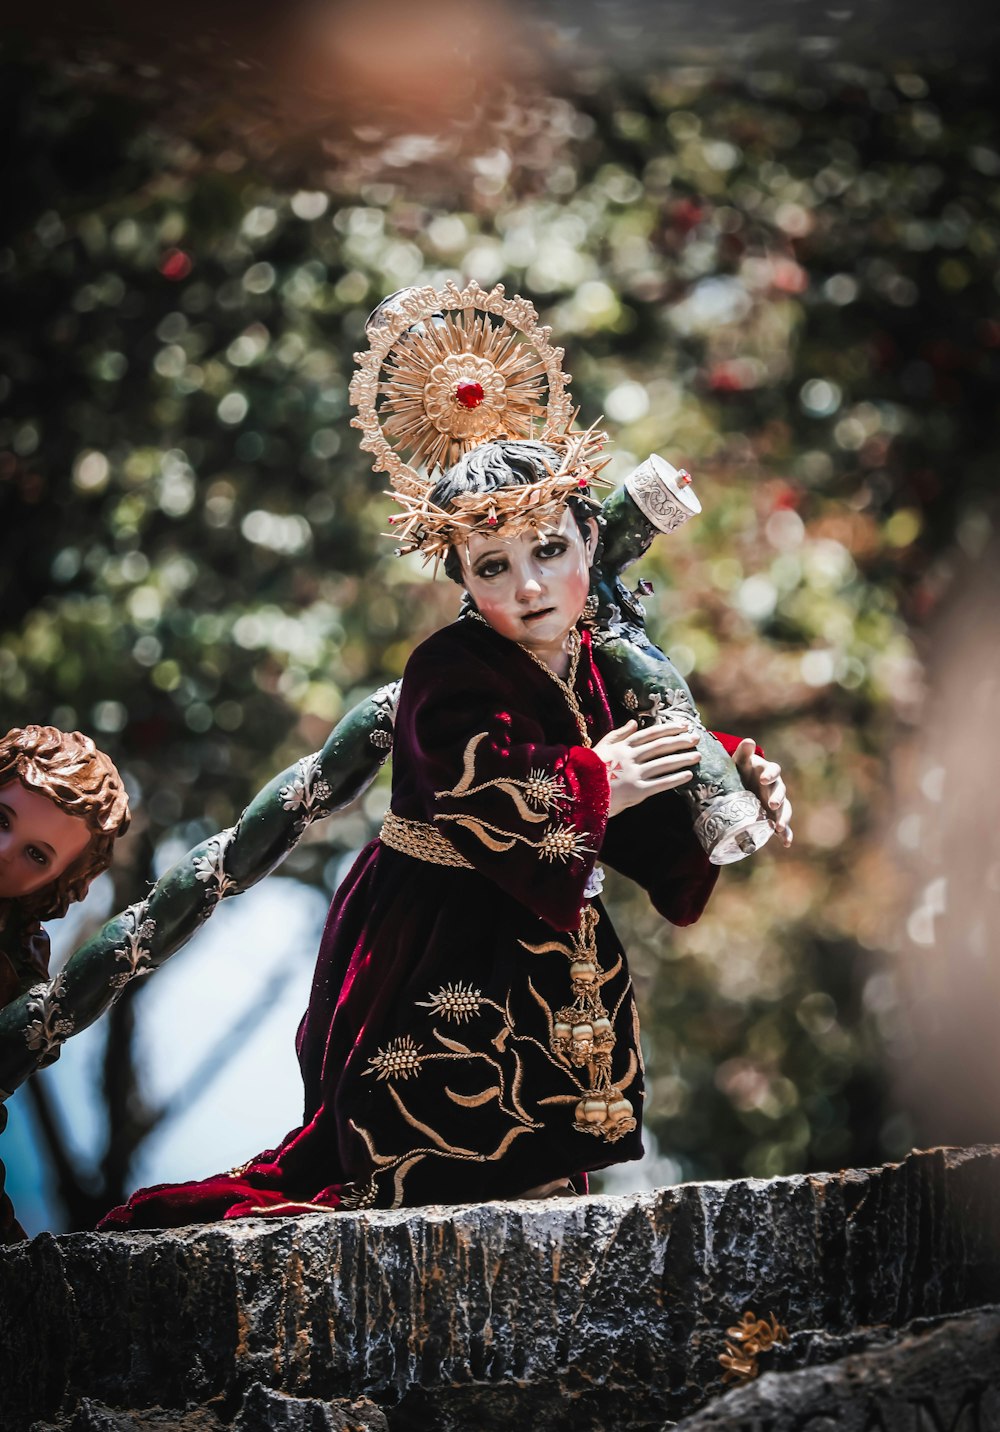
(593, 1312)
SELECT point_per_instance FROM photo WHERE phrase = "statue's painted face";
(532, 587)
(38, 840)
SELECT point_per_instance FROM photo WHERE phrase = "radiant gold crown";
(440, 378)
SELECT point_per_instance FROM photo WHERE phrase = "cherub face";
(38, 840)
(531, 588)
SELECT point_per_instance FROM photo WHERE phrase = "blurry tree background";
(782, 277)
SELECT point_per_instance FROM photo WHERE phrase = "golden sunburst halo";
(449, 369)
(458, 384)
(446, 371)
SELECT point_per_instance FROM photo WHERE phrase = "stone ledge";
(491, 1314)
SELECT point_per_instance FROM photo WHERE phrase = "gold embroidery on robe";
(582, 1034)
(558, 842)
(539, 789)
(580, 1046)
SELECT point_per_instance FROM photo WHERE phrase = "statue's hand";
(643, 762)
(763, 778)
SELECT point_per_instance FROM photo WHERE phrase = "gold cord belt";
(421, 841)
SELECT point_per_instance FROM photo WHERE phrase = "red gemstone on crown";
(469, 394)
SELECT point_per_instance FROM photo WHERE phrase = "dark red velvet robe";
(430, 1051)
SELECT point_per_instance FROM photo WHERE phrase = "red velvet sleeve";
(731, 742)
(526, 812)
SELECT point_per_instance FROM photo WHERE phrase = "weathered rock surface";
(942, 1379)
(90, 1416)
(594, 1312)
(263, 1410)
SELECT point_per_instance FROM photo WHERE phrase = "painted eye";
(491, 569)
(552, 549)
(38, 856)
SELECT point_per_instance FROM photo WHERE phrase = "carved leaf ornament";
(210, 868)
(136, 952)
(49, 1029)
(309, 793)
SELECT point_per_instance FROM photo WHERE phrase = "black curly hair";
(506, 462)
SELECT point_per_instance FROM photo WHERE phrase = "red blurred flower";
(686, 214)
(733, 375)
(175, 265)
(788, 277)
(787, 498)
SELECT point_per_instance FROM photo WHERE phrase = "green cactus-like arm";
(639, 677)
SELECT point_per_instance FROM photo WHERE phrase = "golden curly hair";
(67, 767)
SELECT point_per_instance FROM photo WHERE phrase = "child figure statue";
(471, 1031)
(62, 807)
(444, 389)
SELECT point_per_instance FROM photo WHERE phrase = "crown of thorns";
(446, 371)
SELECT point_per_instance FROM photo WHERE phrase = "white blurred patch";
(712, 303)
(192, 1003)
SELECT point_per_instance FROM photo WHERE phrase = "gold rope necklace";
(566, 687)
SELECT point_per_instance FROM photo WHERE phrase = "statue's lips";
(536, 616)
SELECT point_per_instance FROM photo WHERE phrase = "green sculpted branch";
(728, 819)
(138, 940)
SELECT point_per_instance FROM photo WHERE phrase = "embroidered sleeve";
(527, 812)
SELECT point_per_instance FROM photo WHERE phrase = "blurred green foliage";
(785, 282)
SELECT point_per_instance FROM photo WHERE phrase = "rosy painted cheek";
(16, 885)
(495, 612)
